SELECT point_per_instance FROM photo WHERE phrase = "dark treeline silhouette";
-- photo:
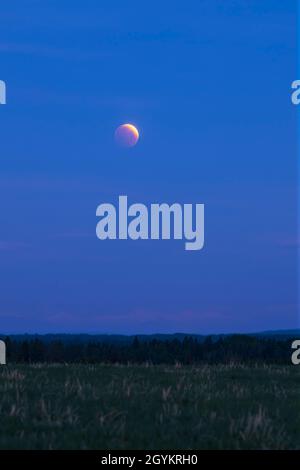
(235, 348)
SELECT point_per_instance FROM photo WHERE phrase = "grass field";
(155, 407)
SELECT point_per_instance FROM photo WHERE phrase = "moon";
(127, 135)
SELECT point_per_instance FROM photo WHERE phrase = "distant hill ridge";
(126, 339)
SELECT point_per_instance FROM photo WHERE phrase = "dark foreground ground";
(139, 407)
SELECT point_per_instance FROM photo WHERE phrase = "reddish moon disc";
(127, 135)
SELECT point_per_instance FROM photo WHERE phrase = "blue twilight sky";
(208, 85)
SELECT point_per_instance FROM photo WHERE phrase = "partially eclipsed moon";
(127, 135)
